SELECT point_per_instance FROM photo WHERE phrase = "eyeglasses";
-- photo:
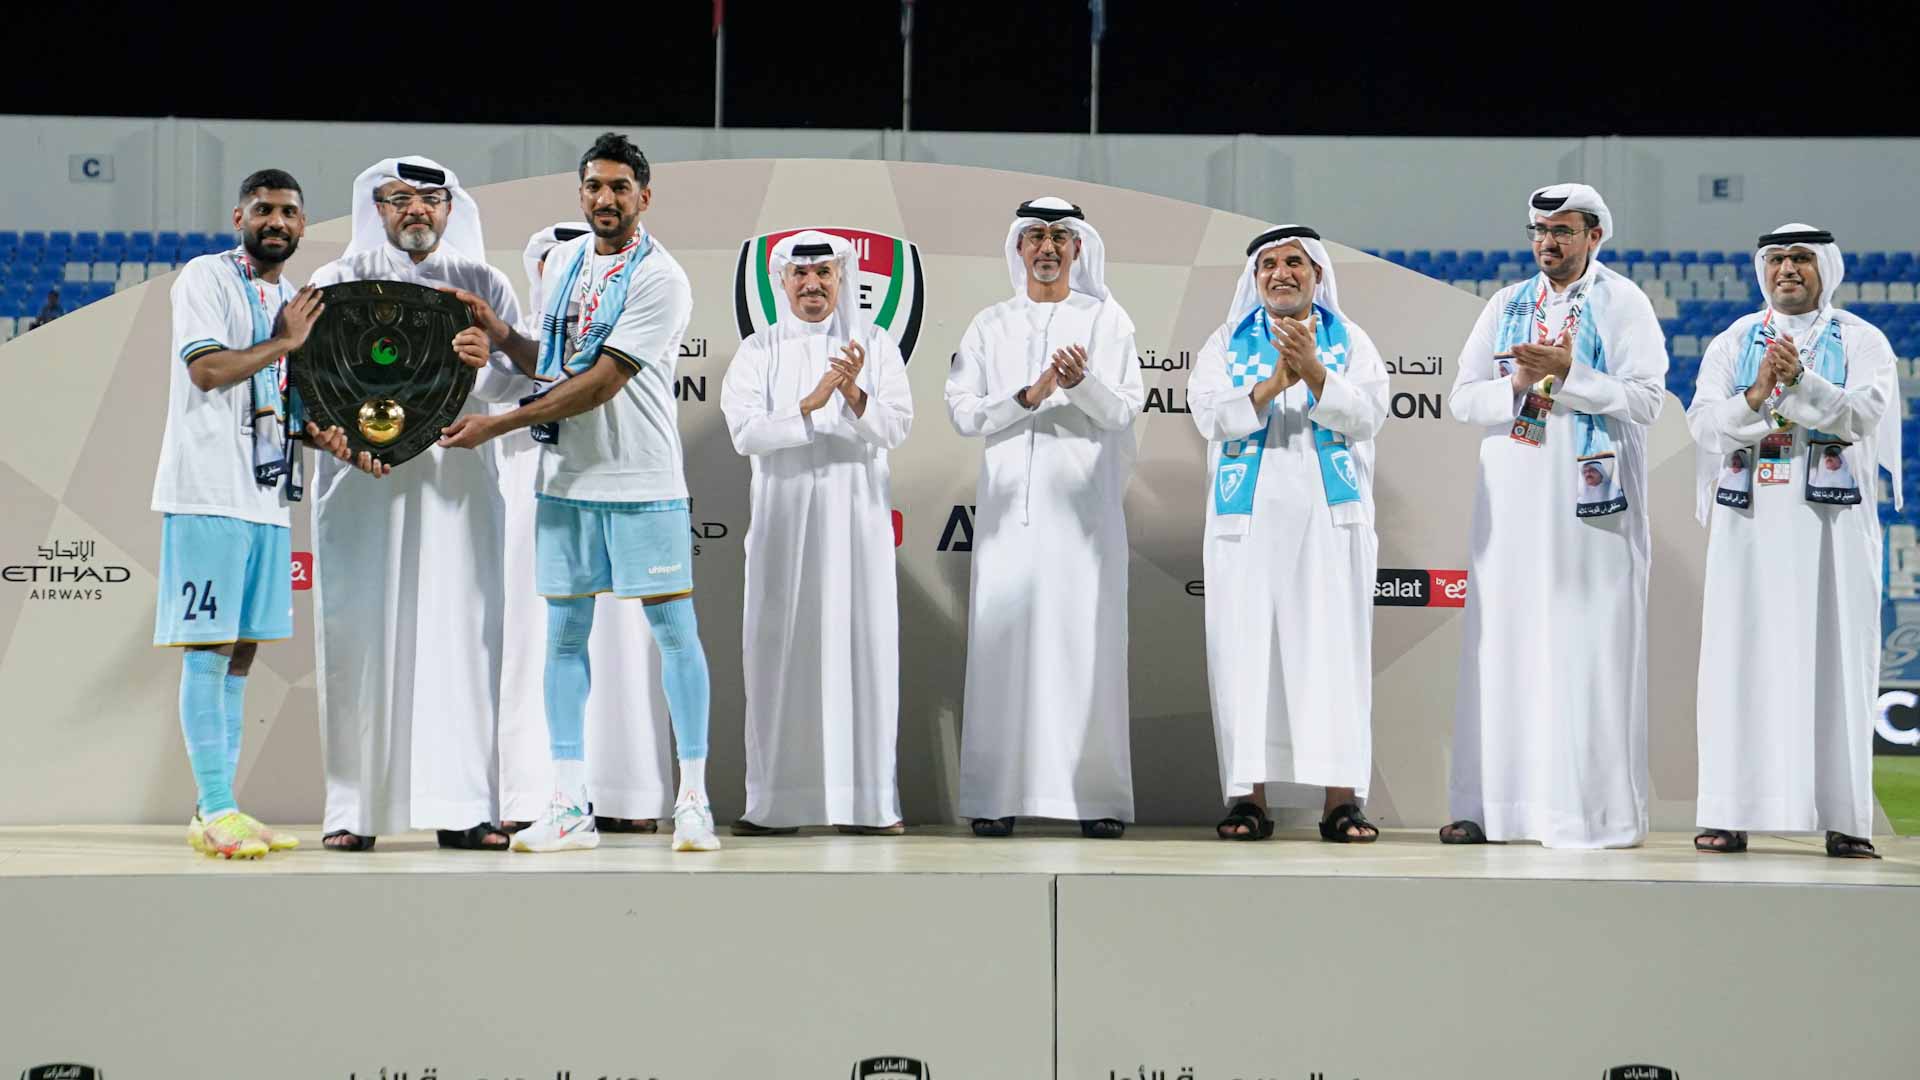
(1061, 237)
(1562, 233)
(433, 200)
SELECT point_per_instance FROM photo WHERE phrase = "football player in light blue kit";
(228, 466)
(613, 511)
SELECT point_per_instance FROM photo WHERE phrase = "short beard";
(624, 227)
(416, 242)
(1568, 272)
(1810, 303)
(1306, 302)
(258, 253)
(1042, 277)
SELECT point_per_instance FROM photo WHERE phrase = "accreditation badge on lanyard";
(1530, 427)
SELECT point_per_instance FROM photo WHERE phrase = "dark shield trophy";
(380, 366)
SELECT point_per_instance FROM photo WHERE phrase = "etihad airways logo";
(889, 281)
(1420, 588)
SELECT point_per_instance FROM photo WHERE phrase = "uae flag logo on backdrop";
(888, 282)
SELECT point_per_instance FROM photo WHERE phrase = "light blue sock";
(569, 675)
(233, 709)
(203, 720)
(683, 670)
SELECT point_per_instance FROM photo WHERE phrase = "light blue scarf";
(1520, 324)
(1829, 359)
(275, 410)
(1252, 357)
(606, 299)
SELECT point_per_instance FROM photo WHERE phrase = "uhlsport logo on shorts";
(889, 282)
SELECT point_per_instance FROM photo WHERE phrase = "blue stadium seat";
(1420, 256)
(87, 242)
(1686, 257)
(139, 245)
(1713, 258)
(1658, 257)
(1396, 257)
(200, 243)
(35, 242)
(1635, 255)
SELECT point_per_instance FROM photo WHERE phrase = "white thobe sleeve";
(1354, 402)
(1852, 411)
(757, 425)
(889, 412)
(1221, 410)
(1719, 417)
(333, 273)
(502, 380)
(969, 405)
(1481, 396)
(1634, 386)
(1112, 393)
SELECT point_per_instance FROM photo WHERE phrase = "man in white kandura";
(1289, 393)
(631, 772)
(817, 400)
(407, 588)
(1566, 368)
(613, 508)
(1051, 380)
(1790, 631)
(228, 467)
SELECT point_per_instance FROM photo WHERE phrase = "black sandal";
(1105, 828)
(358, 842)
(743, 827)
(1247, 820)
(987, 826)
(1721, 841)
(1842, 846)
(475, 839)
(1334, 826)
(626, 825)
(1463, 831)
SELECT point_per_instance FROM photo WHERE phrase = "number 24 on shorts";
(198, 600)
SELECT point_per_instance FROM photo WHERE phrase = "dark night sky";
(986, 65)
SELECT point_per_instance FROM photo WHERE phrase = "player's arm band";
(199, 349)
(608, 350)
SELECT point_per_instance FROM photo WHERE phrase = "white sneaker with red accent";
(693, 824)
(566, 826)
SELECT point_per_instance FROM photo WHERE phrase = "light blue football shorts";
(223, 580)
(635, 550)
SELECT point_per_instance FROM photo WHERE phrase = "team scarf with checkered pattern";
(275, 409)
(1252, 357)
(1522, 322)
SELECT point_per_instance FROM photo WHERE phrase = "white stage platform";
(1043, 956)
